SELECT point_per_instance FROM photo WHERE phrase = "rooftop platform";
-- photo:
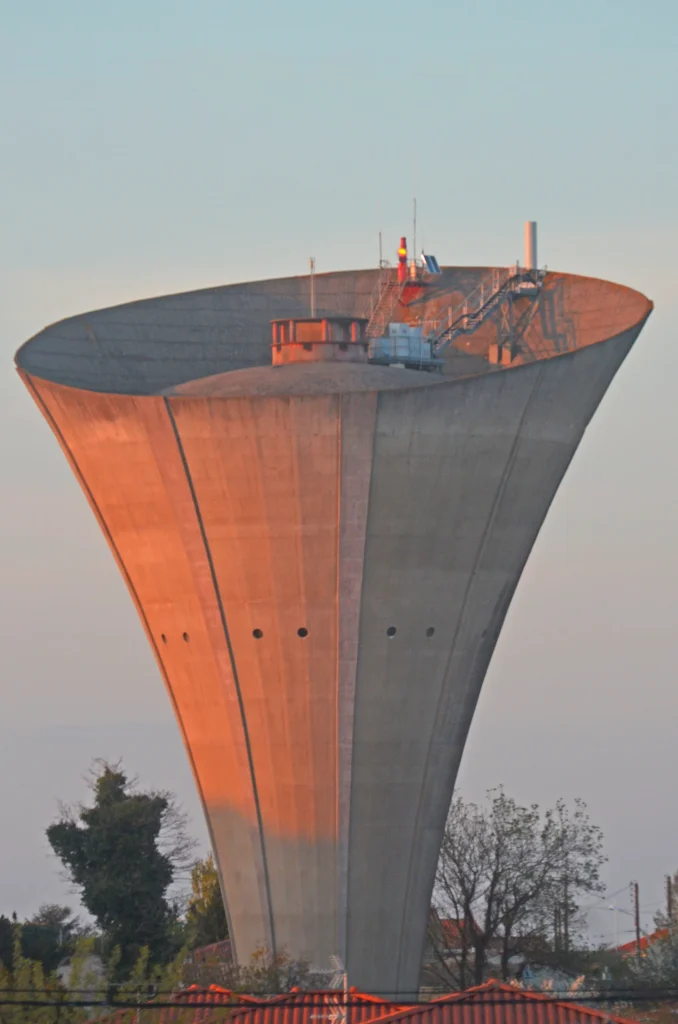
(155, 345)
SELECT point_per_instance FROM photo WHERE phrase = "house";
(497, 1002)
(492, 1003)
(213, 1004)
(630, 948)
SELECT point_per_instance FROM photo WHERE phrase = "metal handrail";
(468, 322)
(387, 284)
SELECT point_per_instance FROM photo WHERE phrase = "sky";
(149, 147)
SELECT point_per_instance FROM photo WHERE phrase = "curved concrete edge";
(154, 344)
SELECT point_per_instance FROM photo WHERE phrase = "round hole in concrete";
(302, 632)
(257, 634)
(430, 631)
(391, 631)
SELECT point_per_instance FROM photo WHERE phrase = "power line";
(400, 1000)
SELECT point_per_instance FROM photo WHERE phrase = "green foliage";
(123, 853)
(266, 973)
(28, 981)
(48, 936)
(205, 916)
(269, 973)
(6, 942)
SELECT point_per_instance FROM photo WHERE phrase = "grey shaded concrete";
(272, 524)
(462, 479)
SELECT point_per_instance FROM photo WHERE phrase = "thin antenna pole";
(414, 230)
(669, 898)
(636, 914)
(311, 264)
(380, 251)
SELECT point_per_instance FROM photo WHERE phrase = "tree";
(6, 942)
(123, 853)
(47, 937)
(205, 916)
(509, 878)
(51, 934)
(30, 995)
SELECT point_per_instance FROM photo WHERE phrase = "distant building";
(86, 974)
(496, 1002)
(629, 948)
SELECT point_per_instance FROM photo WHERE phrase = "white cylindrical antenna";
(311, 264)
(531, 244)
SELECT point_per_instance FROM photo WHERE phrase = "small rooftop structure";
(338, 339)
(403, 345)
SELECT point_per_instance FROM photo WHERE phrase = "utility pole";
(636, 915)
(669, 898)
(566, 922)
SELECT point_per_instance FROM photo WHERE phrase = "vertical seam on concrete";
(77, 472)
(368, 513)
(342, 882)
(231, 654)
(479, 553)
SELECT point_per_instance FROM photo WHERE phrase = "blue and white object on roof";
(430, 263)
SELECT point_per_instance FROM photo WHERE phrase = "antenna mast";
(311, 264)
(414, 231)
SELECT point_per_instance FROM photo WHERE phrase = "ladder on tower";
(385, 298)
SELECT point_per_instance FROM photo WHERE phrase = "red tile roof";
(498, 1003)
(645, 941)
(293, 1007)
(183, 1010)
(219, 951)
(491, 1003)
(308, 1007)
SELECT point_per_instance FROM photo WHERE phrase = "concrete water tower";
(322, 553)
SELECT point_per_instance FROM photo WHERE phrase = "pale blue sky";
(149, 147)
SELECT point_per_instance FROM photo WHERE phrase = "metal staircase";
(385, 298)
(500, 286)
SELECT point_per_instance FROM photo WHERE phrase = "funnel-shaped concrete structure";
(322, 556)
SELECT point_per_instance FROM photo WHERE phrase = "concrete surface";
(345, 502)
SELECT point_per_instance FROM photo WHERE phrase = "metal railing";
(478, 306)
(385, 298)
